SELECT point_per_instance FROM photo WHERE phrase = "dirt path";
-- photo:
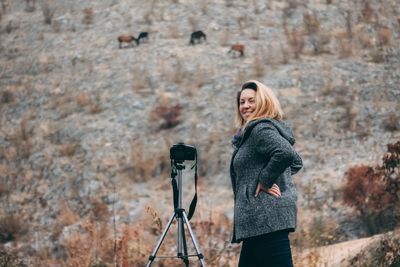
(334, 255)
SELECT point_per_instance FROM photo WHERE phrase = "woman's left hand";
(274, 190)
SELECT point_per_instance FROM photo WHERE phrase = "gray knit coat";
(264, 153)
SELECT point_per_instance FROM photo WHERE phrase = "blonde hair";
(267, 104)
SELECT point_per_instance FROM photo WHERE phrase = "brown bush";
(169, 114)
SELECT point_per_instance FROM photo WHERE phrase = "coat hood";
(283, 128)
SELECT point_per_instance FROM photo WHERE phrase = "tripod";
(181, 216)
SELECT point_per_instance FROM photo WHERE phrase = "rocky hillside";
(86, 127)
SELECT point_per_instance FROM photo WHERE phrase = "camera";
(182, 152)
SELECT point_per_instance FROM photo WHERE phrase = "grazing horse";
(127, 39)
(143, 36)
(237, 48)
(197, 36)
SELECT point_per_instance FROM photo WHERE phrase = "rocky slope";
(85, 131)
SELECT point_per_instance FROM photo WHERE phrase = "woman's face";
(247, 103)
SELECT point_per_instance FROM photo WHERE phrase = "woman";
(261, 167)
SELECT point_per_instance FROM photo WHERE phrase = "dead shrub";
(295, 40)
(3, 189)
(4, 6)
(173, 31)
(384, 37)
(140, 79)
(367, 12)
(68, 149)
(311, 23)
(148, 16)
(170, 115)
(30, 5)
(48, 13)
(391, 123)
(323, 232)
(377, 55)
(344, 45)
(225, 37)
(204, 6)
(6, 97)
(194, 25)
(88, 15)
(11, 227)
(349, 28)
(229, 3)
(9, 258)
(178, 73)
(319, 43)
(141, 168)
(100, 211)
(82, 100)
(258, 66)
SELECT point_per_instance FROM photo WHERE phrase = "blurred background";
(86, 126)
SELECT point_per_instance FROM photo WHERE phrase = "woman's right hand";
(273, 191)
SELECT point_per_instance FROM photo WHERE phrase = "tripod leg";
(157, 247)
(185, 255)
(196, 246)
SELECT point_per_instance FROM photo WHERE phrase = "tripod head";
(178, 154)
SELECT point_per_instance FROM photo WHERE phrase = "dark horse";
(197, 36)
(143, 36)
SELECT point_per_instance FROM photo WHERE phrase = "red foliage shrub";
(375, 191)
(365, 190)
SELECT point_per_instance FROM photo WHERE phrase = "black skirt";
(269, 250)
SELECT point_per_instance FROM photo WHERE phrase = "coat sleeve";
(279, 153)
(297, 164)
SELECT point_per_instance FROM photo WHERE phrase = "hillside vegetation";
(86, 127)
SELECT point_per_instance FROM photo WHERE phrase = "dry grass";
(204, 6)
(258, 66)
(140, 79)
(194, 25)
(173, 31)
(295, 39)
(344, 45)
(68, 149)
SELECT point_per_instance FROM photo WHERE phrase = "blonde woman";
(262, 164)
